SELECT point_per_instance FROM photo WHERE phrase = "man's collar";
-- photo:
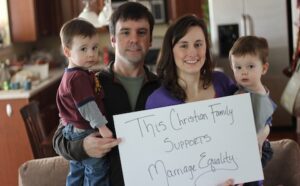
(149, 76)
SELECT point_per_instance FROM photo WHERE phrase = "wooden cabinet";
(177, 8)
(34, 19)
(22, 20)
(14, 142)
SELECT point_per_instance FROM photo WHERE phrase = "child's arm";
(93, 115)
(262, 136)
(105, 132)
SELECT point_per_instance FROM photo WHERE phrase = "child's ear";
(66, 51)
(265, 68)
(231, 65)
(230, 61)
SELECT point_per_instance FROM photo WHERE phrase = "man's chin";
(135, 60)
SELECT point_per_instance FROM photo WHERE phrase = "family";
(185, 73)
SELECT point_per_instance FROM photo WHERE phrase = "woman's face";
(189, 52)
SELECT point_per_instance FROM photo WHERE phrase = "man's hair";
(76, 27)
(251, 45)
(130, 11)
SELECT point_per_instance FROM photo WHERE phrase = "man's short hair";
(130, 11)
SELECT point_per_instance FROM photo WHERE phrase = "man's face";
(131, 41)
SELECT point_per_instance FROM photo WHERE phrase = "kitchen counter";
(54, 75)
(15, 143)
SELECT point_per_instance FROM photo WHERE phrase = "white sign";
(199, 143)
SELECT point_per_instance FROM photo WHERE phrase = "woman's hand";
(97, 147)
(230, 182)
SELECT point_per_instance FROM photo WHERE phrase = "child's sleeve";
(263, 109)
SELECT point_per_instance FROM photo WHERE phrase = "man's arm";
(91, 146)
(71, 150)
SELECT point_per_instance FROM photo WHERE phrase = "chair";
(284, 167)
(41, 142)
(44, 172)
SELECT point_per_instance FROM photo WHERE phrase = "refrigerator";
(230, 19)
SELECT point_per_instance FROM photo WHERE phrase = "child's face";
(248, 70)
(84, 52)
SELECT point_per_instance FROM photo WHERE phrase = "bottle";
(4, 74)
(27, 85)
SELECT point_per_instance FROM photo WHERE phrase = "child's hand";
(262, 136)
(260, 148)
(105, 132)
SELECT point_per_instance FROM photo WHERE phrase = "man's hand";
(97, 147)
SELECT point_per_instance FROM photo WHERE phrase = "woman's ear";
(112, 40)
(265, 68)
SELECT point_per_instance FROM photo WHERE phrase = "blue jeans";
(88, 172)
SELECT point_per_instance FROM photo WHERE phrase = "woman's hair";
(166, 67)
(251, 45)
(130, 11)
(76, 27)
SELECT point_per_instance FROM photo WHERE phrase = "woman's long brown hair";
(166, 67)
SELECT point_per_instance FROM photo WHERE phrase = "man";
(126, 84)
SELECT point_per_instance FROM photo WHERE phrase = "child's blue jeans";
(88, 172)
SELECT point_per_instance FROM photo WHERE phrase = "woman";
(185, 68)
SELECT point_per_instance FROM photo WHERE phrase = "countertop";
(54, 75)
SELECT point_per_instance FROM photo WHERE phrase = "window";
(4, 24)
